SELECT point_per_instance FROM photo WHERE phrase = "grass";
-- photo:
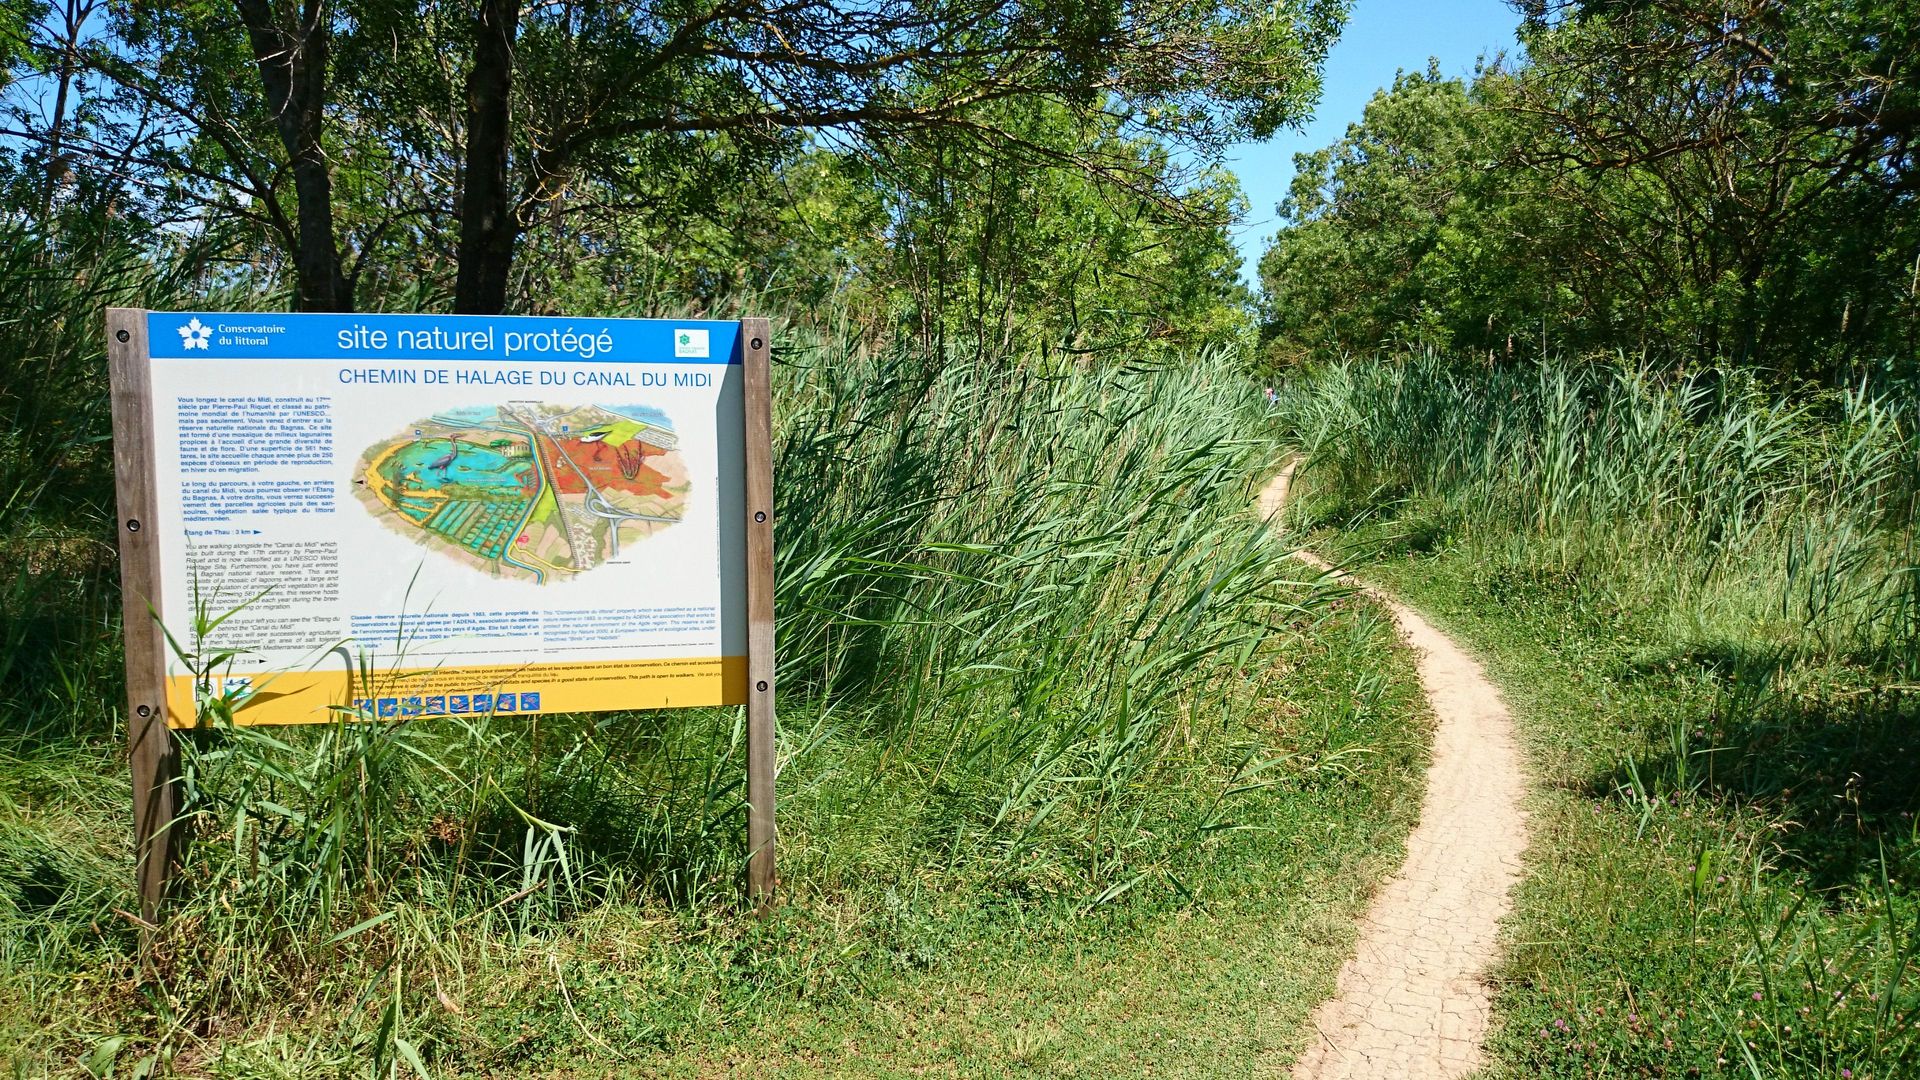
(1077, 776)
(920, 975)
(1700, 627)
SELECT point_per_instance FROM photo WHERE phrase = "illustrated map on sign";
(537, 492)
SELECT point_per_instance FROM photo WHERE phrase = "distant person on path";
(1272, 398)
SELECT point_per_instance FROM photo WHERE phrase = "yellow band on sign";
(318, 697)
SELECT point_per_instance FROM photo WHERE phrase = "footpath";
(1413, 1002)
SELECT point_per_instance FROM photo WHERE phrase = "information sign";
(404, 517)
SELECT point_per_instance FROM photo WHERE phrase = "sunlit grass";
(1699, 597)
(1054, 705)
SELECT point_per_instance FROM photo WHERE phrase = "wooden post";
(756, 347)
(150, 743)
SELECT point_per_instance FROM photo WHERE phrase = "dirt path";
(1412, 1002)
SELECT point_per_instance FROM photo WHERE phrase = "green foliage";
(977, 254)
(1791, 518)
(57, 565)
(1698, 595)
(1380, 225)
(1022, 257)
(371, 148)
(1086, 222)
(1052, 698)
(1695, 183)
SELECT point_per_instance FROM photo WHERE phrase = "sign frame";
(153, 749)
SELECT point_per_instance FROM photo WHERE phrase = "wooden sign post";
(757, 355)
(150, 742)
(587, 502)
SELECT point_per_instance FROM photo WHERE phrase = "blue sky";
(1382, 36)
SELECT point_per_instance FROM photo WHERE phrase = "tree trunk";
(67, 68)
(489, 223)
(293, 69)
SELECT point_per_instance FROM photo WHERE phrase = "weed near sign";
(235, 439)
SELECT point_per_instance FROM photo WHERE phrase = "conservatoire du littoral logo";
(194, 334)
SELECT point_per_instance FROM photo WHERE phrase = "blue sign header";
(194, 335)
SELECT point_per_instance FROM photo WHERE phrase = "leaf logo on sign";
(194, 335)
(690, 344)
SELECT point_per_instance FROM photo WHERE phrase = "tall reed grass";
(1788, 518)
(1017, 606)
(1706, 593)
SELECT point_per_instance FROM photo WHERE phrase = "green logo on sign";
(686, 339)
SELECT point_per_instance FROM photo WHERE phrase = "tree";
(997, 255)
(1696, 183)
(1396, 235)
(1728, 136)
(1007, 255)
(353, 131)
